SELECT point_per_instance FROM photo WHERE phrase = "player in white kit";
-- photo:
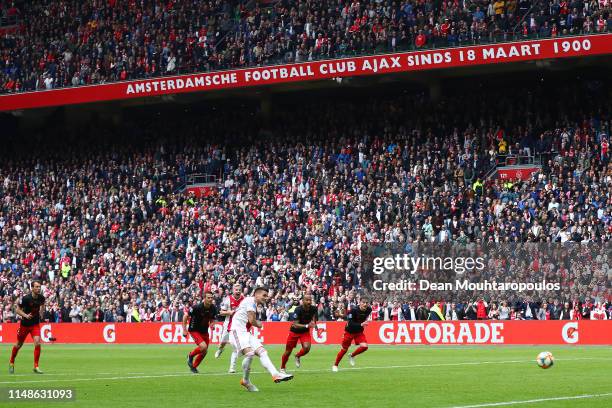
(247, 344)
(228, 308)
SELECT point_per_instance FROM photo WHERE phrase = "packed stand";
(66, 43)
(100, 219)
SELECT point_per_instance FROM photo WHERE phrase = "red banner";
(202, 191)
(579, 46)
(519, 172)
(465, 332)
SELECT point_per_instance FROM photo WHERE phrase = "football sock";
(268, 365)
(199, 359)
(233, 359)
(285, 358)
(14, 354)
(359, 351)
(302, 352)
(341, 354)
(246, 367)
(195, 352)
(36, 355)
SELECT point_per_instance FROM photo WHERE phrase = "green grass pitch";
(385, 376)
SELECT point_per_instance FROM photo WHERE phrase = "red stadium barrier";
(202, 191)
(466, 332)
(518, 172)
(579, 46)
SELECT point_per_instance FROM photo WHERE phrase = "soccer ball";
(545, 359)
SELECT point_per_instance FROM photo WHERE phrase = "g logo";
(569, 332)
(109, 333)
(320, 333)
(45, 333)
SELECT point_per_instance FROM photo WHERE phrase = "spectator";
(494, 313)
(422, 312)
(555, 310)
(543, 313)
(599, 312)
(576, 313)
(504, 311)
(435, 313)
(566, 312)
(481, 309)
(471, 312)
(75, 314)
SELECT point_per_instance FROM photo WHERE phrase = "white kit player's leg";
(246, 372)
(240, 341)
(246, 366)
(266, 362)
(269, 366)
(220, 350)
(225, 335)
(224, 340)
(233, 358)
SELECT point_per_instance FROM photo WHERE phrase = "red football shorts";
(199, 337)
(353, 337)
(293, 338)
(23, 331)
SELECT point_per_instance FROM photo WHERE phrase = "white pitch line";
(183, 374)
(533, 401)
(318, 370)
(69, 373)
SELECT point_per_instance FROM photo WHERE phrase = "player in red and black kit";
(200, 316)
(357, 320)
(306, 319)
(31, 310)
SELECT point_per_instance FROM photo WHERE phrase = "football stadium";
(305, 203)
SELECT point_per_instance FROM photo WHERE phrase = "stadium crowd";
(48, 44)
(97, 214)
